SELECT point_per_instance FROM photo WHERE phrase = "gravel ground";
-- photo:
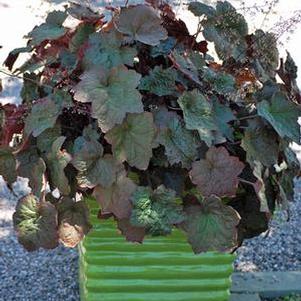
(37, 276)
(278, 250)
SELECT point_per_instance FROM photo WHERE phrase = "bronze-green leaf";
(57, 160)
(260, 143)
(50, 30)
(211, 226)
(7, 165)
(180, 144)
(142, 23)
(112, 93)
(30, 165)
(106, 49)
(116, 198)
(282, 114)
(94, 168)
(198, 114)
(157, 211)
(132, 141)
(36, 224)
(217, 174)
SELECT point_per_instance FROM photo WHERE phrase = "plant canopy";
(131, 110)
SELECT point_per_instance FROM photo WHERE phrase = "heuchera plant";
(134, 112)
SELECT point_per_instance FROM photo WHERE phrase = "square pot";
(160, 269)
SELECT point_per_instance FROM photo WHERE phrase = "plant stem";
(247, 117)
(24, 78)
(246, 181)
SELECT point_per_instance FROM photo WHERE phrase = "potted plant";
(139, 128)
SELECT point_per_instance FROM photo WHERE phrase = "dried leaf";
(73, 219)
(259, 186)
(13, 56)
(12, 122)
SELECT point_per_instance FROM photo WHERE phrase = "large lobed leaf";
(160, 81)
(116, 198)
(83, 12)
(282, 114)
(43, 116)
(211, 225)
(112, 93)
(260, 143)
(157, 211)
(264, 45)
(217, 174)
(223, 115)
(221, 82)
(94, 167)
(132, 140)
(180, 144)
(50, 30)
(36, 224)
(142, 23)
(199, 9)
(225, 27)
(106, 50)
(198, 114)
(131, 233)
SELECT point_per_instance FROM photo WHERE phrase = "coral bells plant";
(133, 111)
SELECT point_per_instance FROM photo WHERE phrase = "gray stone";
(267, 284)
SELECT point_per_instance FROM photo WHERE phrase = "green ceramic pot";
(160, 269)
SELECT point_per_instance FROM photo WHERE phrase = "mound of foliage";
(134, 112)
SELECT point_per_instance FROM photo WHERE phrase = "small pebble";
(32, 276)
(281, 249)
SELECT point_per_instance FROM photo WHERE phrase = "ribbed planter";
(161, 269)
